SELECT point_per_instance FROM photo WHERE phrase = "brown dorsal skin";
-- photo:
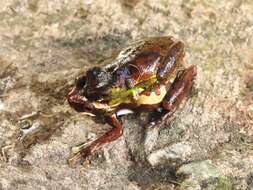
(158, 57)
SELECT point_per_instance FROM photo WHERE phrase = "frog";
(148, 74)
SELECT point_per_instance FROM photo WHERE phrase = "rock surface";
(176, 153)
(207, 144)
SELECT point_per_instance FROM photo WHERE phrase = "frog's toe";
(79, 152)
(30, 131)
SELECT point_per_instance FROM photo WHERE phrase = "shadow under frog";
(147, 75)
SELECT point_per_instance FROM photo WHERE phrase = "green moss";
(210, 66)
(224, 184)
(200, 47)
(164, 3)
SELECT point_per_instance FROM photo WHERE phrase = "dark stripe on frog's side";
(142, 68)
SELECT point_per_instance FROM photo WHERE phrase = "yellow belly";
(153, 98)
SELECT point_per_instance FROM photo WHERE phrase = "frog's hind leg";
(87, 149)
(179, 89)
(172, 62)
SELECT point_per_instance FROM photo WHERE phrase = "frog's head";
(76, 97)
(97, 81)
(88, 89)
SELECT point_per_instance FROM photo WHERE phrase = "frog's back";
(141, 60)
(129, 53)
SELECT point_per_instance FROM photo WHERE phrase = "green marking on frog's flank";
(122, 95)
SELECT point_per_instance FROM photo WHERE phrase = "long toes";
(80, 152)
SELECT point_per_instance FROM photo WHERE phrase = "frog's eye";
(97, 78)
(80, 82)
(129, 83)
(95, 71)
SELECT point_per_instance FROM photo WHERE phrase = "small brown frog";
(138, 78)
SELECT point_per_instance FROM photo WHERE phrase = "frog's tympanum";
(147, 74)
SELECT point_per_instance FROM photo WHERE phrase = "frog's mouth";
(78, 102)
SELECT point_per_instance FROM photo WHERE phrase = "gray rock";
(45, 45)
(151, 136)
(173, 154)
(203, 175)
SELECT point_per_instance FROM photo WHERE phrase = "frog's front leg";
(87, 149)
(179, 89)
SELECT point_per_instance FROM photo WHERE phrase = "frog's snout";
(79, 102)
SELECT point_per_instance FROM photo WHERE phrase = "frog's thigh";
(171, 62)
(179, 89)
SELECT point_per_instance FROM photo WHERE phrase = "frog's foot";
(29, 130)
(5, 150)
(179, 89)
(77, 152)
(87, 149)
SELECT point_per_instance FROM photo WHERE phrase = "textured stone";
(176, 153)
(46, 44)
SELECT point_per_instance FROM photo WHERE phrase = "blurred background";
(45, 45)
